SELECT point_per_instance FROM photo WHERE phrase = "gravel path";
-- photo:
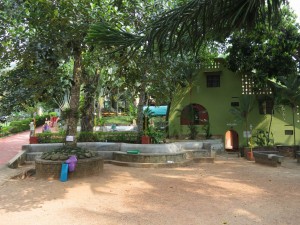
(230, 191)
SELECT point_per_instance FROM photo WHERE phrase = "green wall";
(217, 101)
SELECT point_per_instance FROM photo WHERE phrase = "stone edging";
(84, 167)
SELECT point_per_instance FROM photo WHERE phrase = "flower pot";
(146, 140)
(33, 140)
(250, 156)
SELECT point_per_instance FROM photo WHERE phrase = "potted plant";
(241, 114)
(250, 153)
(146, 139)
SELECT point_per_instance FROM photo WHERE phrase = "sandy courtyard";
(230, 191)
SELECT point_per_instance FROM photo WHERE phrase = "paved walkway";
(12, 145)
(9, 147)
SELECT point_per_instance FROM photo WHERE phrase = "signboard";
(247, 134)
(70, 138)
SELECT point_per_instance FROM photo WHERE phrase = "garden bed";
(48, 169)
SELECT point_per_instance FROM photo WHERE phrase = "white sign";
(247, 133)
(70, 138)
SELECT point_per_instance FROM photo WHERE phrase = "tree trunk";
(87, 118)
(294, 130)
(74, 102)
(167, 119)
(140, 117)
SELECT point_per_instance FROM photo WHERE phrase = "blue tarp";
(157, 110)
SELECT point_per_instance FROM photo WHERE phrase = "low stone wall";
(106, 149)
(151, 148)
(84, 167)
(270, 158)
(149, 158)
(287, 151)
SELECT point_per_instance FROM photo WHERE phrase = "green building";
(208, 101)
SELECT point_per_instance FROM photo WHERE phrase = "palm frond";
(189, 25)
(106, 36)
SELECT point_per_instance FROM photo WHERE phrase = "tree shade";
(190, 25)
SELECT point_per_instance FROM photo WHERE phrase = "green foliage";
(263, 138)
(193, 131)
(206, 129)
(120, 120)
(4, 131)
(132, 110)
(65, 152)
(191, 24)
(88, 137)
(53, 114)
(241, 113)
(156, 135)
(48, 137)
(125, 137)
(266, 52)
(18, 126)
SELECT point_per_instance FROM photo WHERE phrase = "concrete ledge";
(270, 158)
(18, 160)
(191, 154)
(149, 157)
(93, 146)
(151, 165)
(151, 148)
(85, 167)
(204, 160)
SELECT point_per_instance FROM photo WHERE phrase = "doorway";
(231, 140)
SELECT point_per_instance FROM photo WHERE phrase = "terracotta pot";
(33, 140)
(250, 156)
(146, 140)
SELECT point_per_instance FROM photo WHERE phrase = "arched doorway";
(194, 114)
(231, 140)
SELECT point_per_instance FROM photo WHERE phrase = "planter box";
(146, 140)
(248, 154)
(33, 140)
(287, 151)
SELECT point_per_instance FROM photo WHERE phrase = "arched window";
(194, 114)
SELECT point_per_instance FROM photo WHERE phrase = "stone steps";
(150, 165)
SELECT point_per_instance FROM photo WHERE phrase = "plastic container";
(64, 172)
(72, 161)
(133, 152)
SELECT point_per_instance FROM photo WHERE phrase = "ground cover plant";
(65, 152)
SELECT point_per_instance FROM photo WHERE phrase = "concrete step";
(204, 160)
(150, 165)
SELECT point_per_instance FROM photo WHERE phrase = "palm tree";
(288, 88)
(190, 25)
(242, 112)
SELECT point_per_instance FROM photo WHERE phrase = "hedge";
(125, 137)
(21, 125)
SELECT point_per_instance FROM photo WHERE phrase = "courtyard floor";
(230, 191)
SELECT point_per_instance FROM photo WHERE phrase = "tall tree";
(266, 53)
(45, 34)
(189, 25)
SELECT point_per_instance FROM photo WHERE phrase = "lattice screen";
(248, 87)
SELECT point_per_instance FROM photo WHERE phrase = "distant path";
(12, 145)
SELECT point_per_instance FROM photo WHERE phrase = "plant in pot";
(146, 139)
(241, 114)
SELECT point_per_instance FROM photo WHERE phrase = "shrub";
(65, 152)
(48, 137)
(87, 137)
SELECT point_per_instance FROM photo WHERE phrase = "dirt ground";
(230, 191)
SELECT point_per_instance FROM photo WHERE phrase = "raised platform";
(85, 167)
(270, 158)
(177, 153)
